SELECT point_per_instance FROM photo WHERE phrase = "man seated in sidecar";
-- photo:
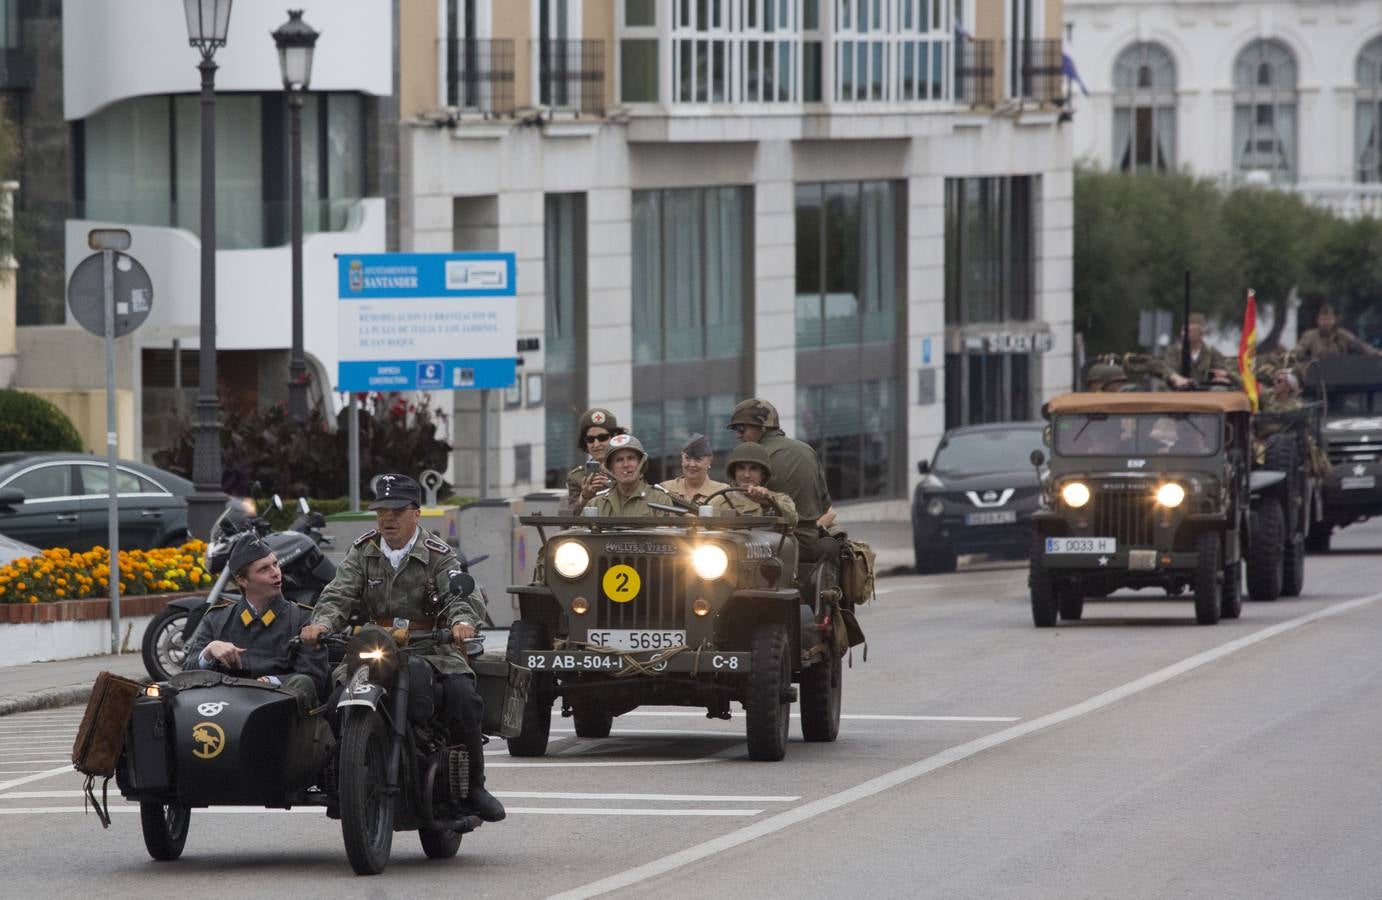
(255, 634)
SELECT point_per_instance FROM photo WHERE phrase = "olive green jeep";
(1147, 490)
(698, 611)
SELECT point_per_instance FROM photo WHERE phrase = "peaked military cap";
(396, 492)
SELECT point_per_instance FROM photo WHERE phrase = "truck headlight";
(1075, 494)
(709, 561)
(571, 559)
(1170, 495)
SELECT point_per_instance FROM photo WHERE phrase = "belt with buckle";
(410, 624)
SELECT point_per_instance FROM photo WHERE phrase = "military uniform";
(744, 505)
(610, 502)
(265, 641)
(796, 470)
(679, 487)
(1200, 366)
(575, 479)
(367, 582)
(1339, 342)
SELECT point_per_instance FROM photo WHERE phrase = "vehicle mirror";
(1038, 458)
(303, 506)
(923, 466)
(278, 503)
(11, 497)
(256, 488)
(461, 584)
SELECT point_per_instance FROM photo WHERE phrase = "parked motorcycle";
(306, 572)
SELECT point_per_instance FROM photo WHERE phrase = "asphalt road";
(1134, 754)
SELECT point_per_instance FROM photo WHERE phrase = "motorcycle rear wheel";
(162, 647)
(165, 828)
(367, 807)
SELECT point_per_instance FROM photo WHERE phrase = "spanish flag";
(1247, 350)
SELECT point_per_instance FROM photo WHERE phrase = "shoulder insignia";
(366, 537)
(436, 544)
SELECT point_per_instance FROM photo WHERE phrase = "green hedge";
(28, 422)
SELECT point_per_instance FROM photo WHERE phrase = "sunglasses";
(598, 438)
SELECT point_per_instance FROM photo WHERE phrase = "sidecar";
(207, 739)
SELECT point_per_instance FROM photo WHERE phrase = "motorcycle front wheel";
(367, 806)
(163, 646)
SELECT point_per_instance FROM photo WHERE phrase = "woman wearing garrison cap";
(695, 483)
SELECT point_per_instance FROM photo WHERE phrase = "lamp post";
(295, 40)
(207, 24)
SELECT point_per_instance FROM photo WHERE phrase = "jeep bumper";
(689, 661)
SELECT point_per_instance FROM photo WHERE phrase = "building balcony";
(478, 75)
(1345, 200)
(571, 75)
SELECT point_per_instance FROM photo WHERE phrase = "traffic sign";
(134, 294)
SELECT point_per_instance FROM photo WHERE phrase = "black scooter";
(306, 572)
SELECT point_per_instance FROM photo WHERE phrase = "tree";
(1346, 269)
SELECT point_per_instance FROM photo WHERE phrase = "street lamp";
(207, 24)
(296, 40)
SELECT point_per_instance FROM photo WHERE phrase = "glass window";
(1169, 434)
(1367, 134)
(638, 70)
(1264, 111)
(9, 24)
(564, 347)
(1144, 109)
(96, 481)
(43, 483)
(984, 452)
(127, 163)
(640, 13)
(989, 271)
(664, 427)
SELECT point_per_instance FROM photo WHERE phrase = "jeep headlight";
(709, 561)
(1170, 495)
(571, 559)
(1075, 494)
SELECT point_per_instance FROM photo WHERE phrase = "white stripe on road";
(516, 795)
(907, 773)
(34, 762)
(862, 717)
(512, 810)
(734, 752)
(37, 776)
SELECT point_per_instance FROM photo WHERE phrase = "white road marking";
(512, 810)
(517, 795)
(736, 735)
(1014, 582)
(34, 762)
(37, 776)
(862, 717)
(735, 752)
(907, 773)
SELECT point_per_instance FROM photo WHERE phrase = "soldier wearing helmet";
(750, 468)
(796, 470)
(1106, 377)
(630, 495)
(598, 426)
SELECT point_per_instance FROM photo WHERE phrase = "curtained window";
(1144, 109)
(1264, 111)
(1367, 135)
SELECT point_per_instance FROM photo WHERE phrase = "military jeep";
(696, 611)
(1351, 388)
(1148, 490)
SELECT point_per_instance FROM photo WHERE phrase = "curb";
(45, 699)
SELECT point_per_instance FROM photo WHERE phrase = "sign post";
(427, 322)
(110, 294)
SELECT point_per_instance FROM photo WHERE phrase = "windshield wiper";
(1098, 417)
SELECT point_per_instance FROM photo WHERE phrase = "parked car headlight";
(571, 559)
(709, 561)
(935, 507)
(1170, 495)
(1075, 494)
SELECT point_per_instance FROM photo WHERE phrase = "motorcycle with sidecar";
(206, 739)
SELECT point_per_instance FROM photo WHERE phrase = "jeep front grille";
(661, 600)
(1125, 516)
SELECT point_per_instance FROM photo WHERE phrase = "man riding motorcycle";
(393, 576)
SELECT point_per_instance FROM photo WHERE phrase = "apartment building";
(1287, 92)
(858, 209)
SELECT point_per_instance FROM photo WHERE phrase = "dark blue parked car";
(977, 495)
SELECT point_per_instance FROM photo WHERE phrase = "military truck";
(699, 611)
(1148, 490)
(1350, 387)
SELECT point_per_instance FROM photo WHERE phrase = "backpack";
(857, 570)
(101, 736)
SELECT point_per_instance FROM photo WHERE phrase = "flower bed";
(61, 575)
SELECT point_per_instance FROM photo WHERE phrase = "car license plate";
(1001, 517)
(1356, 483)
(632, 639)
(1081, 545)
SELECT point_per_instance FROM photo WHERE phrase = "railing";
(1042, 75)
(976, 73)
(1347, 201)
(479, 74)
(571, 75)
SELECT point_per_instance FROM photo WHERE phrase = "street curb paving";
(49, 698)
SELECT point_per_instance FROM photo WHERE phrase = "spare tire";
(1266, 555)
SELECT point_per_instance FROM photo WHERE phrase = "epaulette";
(436, 544)
(366, 537)
(306, 606)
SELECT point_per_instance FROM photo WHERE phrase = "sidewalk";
(44, 685)
(891, 541)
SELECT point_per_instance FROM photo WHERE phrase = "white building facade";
(1280, 91)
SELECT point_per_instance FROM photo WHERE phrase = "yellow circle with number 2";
(621, 583)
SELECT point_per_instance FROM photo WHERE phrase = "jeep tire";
(591, 721)
(1266, 551)
(934, 559)
(1208, 572)
(1045, 604)
(821, 686)
(768, 717)
(1231, 606)
(1317, 540)
(537, 712)
(1070, 599)
(1293, 567)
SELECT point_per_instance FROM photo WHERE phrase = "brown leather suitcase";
(101, 736)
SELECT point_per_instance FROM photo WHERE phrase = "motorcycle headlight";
(710, 561)
(571, 559)
(375, 649)
(1170, 495)
(1075, 494)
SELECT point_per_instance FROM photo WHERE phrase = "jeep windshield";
(1152, 434)
(985, 452)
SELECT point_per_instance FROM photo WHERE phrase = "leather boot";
(480, 802)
